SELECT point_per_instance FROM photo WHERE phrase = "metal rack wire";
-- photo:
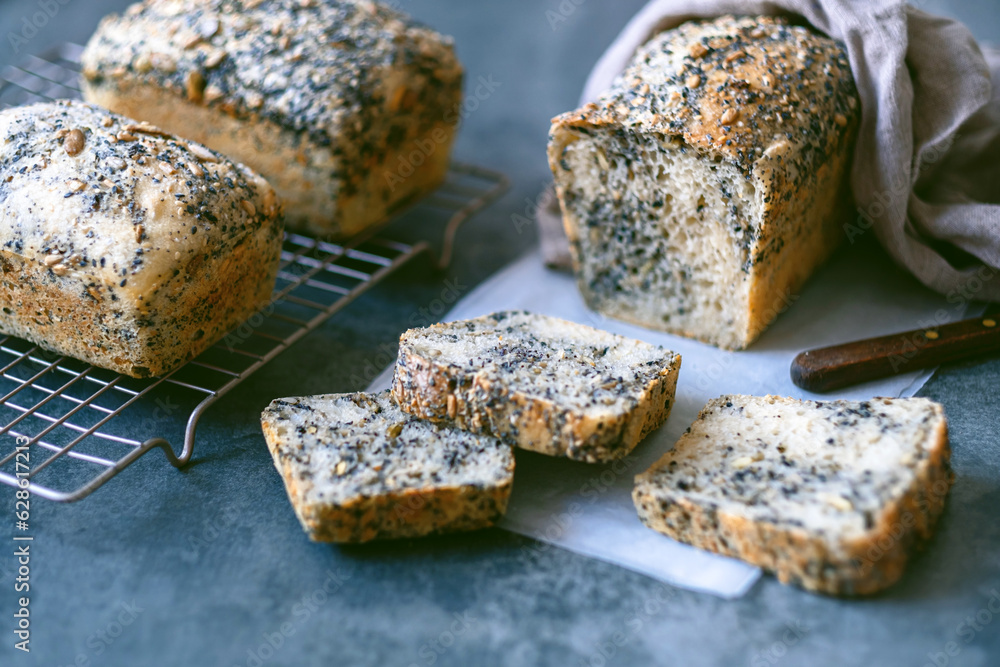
(78, 422)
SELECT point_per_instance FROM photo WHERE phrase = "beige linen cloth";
(926, 171)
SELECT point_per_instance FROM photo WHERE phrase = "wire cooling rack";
(80, 425)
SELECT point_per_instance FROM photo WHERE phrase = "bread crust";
(348, 108)
(736, 72)
(442, 392)
(303, 183)
(134, 253)
(863, 566)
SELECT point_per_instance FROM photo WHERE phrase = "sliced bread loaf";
(538, 382)
(828, 495)
(358, 468)
(702, 190)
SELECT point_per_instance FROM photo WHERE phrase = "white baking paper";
(588, 509)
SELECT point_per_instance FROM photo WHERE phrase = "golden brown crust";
(388, 184)
(39, 309)
(408, 514)
(816, 213)
(742, 88)
(864, 566)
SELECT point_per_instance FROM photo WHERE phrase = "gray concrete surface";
(209, 567)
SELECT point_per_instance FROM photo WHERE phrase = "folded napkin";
(926, 171)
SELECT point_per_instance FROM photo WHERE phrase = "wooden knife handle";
(853, 363)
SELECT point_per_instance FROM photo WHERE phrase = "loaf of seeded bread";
(347, 107)
(538, 382)
(831, 496)
(123, 246)
(704, 188)
(357, 468)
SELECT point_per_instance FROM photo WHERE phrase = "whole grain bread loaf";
(347, 107)
(124, 246)
(831, 496)
(704, 188)
(538, 382)
(357, 468)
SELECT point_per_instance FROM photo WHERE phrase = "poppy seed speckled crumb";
(829, 495)
(538, 382)
(357, 468)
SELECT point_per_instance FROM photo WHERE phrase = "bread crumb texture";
(357, 468)
(831, 496)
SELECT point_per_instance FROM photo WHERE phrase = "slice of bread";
(357, 468)
(830, 496)
(538, 382)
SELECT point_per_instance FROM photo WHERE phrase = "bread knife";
(843, 365)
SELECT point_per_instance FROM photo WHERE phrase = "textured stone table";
(209, 567)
